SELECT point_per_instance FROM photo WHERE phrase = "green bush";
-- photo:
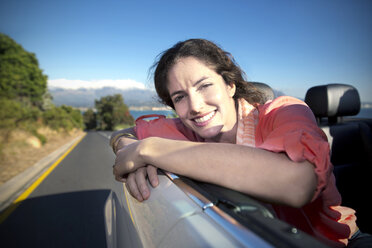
(63, 117)
(17, 115)
(75, 116)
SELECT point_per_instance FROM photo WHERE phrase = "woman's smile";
(204, 120)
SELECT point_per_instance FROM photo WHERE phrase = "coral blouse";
(287, 124)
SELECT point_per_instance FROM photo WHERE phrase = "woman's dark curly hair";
(215, 58)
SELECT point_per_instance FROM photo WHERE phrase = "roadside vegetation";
(28, 118)
(26, 104)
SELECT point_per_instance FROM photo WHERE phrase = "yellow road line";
(33, 186)
(130, 211)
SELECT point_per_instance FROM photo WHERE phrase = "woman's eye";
(177, 98)
(205, 86)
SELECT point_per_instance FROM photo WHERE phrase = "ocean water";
(365, 113)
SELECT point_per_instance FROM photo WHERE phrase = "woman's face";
(202, 100)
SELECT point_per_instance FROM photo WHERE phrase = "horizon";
(95, 84)
(364, 104)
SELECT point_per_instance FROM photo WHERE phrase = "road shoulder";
(10, 190)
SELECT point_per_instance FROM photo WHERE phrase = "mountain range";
(84, 97)
(133, 97)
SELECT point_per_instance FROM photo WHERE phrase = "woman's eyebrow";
(176, 93)
(195, 84)
(199, 81)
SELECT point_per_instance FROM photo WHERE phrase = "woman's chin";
(211, 133)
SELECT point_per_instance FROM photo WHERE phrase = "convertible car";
(185, 213)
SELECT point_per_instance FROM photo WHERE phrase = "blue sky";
(290, 45)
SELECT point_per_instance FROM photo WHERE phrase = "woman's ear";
(231, 89)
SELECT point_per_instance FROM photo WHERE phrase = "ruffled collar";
(247, 122)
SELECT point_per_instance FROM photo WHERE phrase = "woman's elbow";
(301, 199)
(305, 187)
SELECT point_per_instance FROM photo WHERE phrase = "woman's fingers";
(132, 187)
(152, 173)
(142, 183)
(136, 182)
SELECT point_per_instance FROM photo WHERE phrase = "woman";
(272, 151)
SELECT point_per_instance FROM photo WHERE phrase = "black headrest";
(265, 89)
(333, 100)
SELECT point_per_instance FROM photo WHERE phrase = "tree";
(90, 119)
(20, 76)
(25, 102)
(112, 111)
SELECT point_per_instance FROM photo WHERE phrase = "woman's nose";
(195, 104)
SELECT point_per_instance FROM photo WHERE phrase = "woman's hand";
(137, 185)
(128, 159)
(130, 168)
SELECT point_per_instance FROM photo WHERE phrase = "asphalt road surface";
(79, 204)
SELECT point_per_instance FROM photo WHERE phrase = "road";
(79, 204)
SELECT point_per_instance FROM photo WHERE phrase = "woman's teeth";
(205, 118)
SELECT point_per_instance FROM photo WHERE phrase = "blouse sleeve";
(288, 125)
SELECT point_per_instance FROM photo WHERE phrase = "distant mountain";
(85, 97)
(135, 97)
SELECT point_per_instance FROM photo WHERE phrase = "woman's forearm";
(266, 175)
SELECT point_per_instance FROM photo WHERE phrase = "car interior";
(335, 107)
(350, 140)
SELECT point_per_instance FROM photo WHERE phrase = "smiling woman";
(203, 101)
(273, 151)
